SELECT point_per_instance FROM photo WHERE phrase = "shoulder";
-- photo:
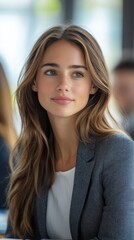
(116, 151)
(117, 141)
(114, 160)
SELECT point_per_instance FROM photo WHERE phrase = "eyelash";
(52, 72)
(80, 74)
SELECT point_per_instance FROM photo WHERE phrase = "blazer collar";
(41, 209)
(84, 167)
(83, 172)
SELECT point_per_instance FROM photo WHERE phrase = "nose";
(63, 85)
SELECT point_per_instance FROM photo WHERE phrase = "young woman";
(73, 177)
(7, 135)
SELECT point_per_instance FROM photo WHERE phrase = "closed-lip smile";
(62, 100)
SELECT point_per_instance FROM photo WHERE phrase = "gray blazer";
(102, 206)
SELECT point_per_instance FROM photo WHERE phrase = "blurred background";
(23, 21)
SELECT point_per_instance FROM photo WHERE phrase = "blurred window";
(21, 22)
(103, 18)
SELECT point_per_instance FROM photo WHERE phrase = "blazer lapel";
(82, 178)
(41, 206)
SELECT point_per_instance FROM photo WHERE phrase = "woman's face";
(63, 83)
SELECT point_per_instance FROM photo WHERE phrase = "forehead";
(64, 50)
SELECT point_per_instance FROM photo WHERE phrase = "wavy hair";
(35, 146)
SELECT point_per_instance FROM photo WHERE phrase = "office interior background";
(23, 21)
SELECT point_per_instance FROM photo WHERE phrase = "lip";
(62, 100)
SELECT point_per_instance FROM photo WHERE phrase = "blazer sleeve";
(118, 183)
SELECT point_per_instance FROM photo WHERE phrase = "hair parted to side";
(35, 165)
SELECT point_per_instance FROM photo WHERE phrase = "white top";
(58, 206)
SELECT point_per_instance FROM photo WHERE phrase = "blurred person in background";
(123, 91)
(7, 135)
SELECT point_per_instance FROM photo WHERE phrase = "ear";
(34, 87)
(93, 89)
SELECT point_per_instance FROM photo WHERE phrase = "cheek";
(84, 91)
(83, 94)
(43, 90)
(43, 87)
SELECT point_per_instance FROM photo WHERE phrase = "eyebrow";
(57, 65)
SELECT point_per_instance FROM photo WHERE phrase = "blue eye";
(50, 72)
(78, 74)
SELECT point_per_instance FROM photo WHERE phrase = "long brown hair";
(34, 149)
(7, 129)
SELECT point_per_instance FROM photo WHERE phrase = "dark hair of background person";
(124, 64)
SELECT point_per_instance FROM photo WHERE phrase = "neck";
(66, 143)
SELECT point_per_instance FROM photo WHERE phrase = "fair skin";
(123, 89)
(63, 85)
